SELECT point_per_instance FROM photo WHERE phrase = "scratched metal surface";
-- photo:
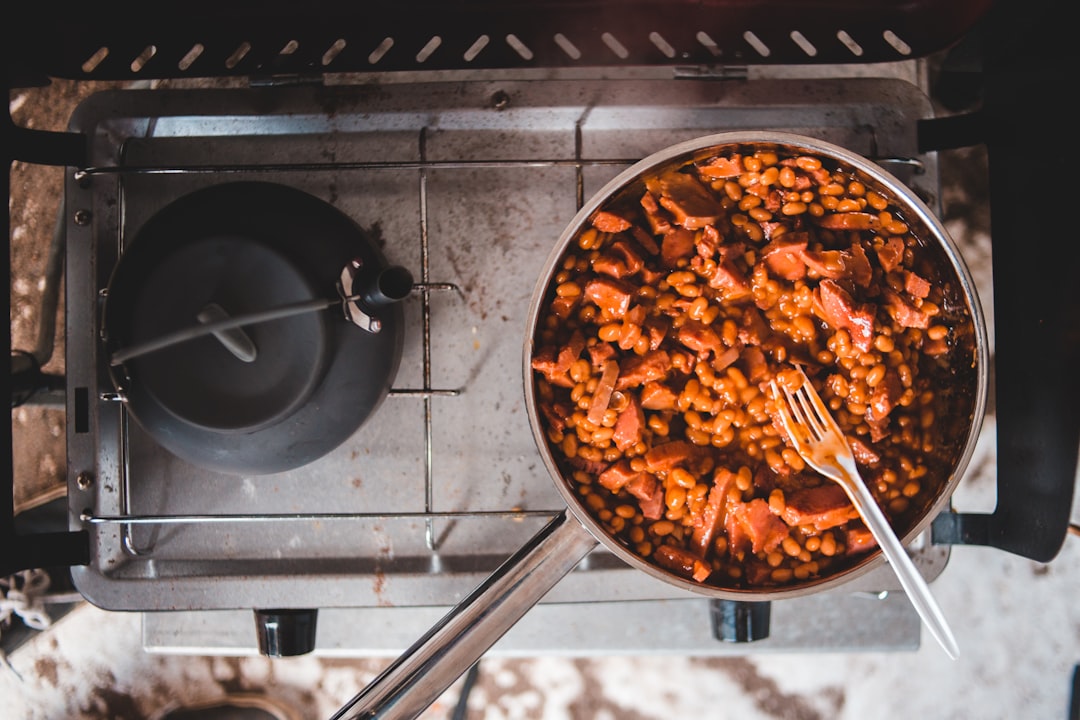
(488, 229)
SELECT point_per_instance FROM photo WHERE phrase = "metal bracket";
(711, 72)
(45, 147)
(286, 80)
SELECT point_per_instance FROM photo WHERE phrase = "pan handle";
(416, 679)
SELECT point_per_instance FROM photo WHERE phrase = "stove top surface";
(468, 184)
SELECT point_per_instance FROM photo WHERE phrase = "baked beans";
(676, 306)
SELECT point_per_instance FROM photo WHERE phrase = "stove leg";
(284, 633)
(739, 621)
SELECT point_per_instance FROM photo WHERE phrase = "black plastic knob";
(739, 621)
(285, 633)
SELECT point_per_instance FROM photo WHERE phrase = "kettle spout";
(388, 286)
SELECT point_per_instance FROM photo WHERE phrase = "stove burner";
(267, 396)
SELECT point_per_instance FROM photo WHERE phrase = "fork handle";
(910, 578)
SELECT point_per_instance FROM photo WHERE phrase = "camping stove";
(467, 183)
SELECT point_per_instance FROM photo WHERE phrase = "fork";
(814, 433)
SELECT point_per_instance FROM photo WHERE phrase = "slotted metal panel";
(130, 40)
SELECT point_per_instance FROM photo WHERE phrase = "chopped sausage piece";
(617, 476)
(864, 455)
(662, 458)
(823, 507)
(678, 244)
(732, 251)
(726, 358)
(859, 264)
(563, 306)
(848, 221)
(859, 539)
(709, 242)
(841, 312)
(592, 467)
(570, 352)
(764, 529)
(645, 240)
(640, 369)
(935, 348)
(882, 401)
(631, 255)
(544, 362)
(632, 327)
(600, 353)
(783, 256)
(629, 425)
(730, 281)
(903, 312)
(754, 329)
(827, 263)
(850, 264)
(610, 295)
(713, 514)
(774, 201)
(759, 190)
(649, 204)
(700, 338)
(657, 396)
(690, 203)
(649, 493)
(701, 572)
(658, 220)
(720, 168)
(771, 227)
(915, 285)
(608, 264)
(651, 277)
(891, 254)
(602, 396)
(821, 176)
(682, 563)
(758, 572)
(555, 414)
(609, 222)
(738, 537)
(656, 329)
(755, 364)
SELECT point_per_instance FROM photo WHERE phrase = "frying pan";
(425, 670)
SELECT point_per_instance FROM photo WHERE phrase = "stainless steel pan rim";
(702, 148)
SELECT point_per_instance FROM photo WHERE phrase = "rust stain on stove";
(378, 584)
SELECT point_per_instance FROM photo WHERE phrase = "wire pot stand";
(423, 289)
